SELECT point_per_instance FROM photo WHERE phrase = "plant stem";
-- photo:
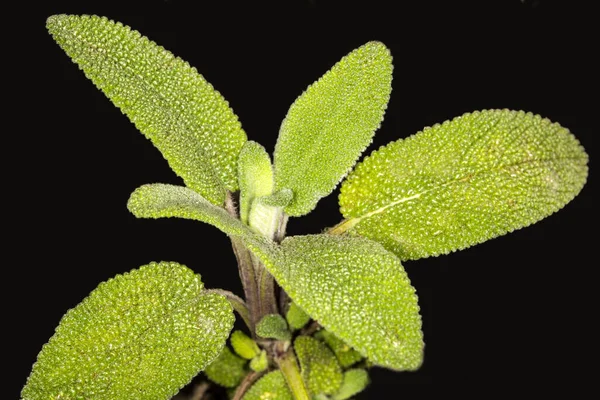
(289, 367)
(237, 303)
(245, 384)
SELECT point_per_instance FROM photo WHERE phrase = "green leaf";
(140, 335)
(280, 198)
(355, 381)
(468, 180)
(160, 200)
(272, 386)
(354, 288)
(255, 176)
(331, 124)
(244, 345)
(320, 369)
(260, 362)
(227, 370)
(273, 326)
(345, 354)
(167, 100)
(296, 317)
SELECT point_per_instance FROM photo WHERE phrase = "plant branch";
(289, 367)
(245, 384)
(238, 304)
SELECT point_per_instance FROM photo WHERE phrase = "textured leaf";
(354, 288)
(355, 381)
(468, 180)
(227, 370)
(280, 198)
(167, 100)
(273, 326)
(255, 176)
(260, 362)
(320, 369)
(345, 354)
(272, 386)
(243, 345)
(160, 200)
(141, 335)
(296, 317)
(331, 124)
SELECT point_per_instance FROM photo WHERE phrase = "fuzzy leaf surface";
(330, 125)
(167, 100)
(243, 345)
(227, 370)
(354, 288)
(255, 176)
(159, 200)
(272, 386)
(454, 185)
(273, 326)
(345, 354)
(140, 335)
(355, 381)
(320, 369)
(296, 317)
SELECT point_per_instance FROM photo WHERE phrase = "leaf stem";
(343, 226)
(238, 304)
(245, 384)
(289, 367)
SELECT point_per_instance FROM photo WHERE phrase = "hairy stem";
(246, 270)
(289, 367)
(238, 304)
(245, 384)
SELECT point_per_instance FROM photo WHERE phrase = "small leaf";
(243, 345)
(160, 200)
(296, 317)
(167, 100)
(331, 124)
(280, 198)
(345, 354)
(141, 335)
(273, 326)
(355, 381)
(468, 180)
(354, 288)
(260, 362)
(320, 369)
(272, 386)
(255, 176)
(227, 370)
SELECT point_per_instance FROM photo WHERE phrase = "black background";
(515, 310)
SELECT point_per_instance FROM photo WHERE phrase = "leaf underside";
(354, 288)
(140, 335)
(255, 176)
(460, 183)
(159, 200)
(167, 100)
(330, 125)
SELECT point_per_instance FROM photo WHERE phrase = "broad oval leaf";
(331, 124)
(354, 288)
(159, 200)
(272, 386)
(471, 179)
(140, 335)
(167, 100)
(243, 345)
(319, 366)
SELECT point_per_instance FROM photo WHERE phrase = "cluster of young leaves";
(145, 334)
